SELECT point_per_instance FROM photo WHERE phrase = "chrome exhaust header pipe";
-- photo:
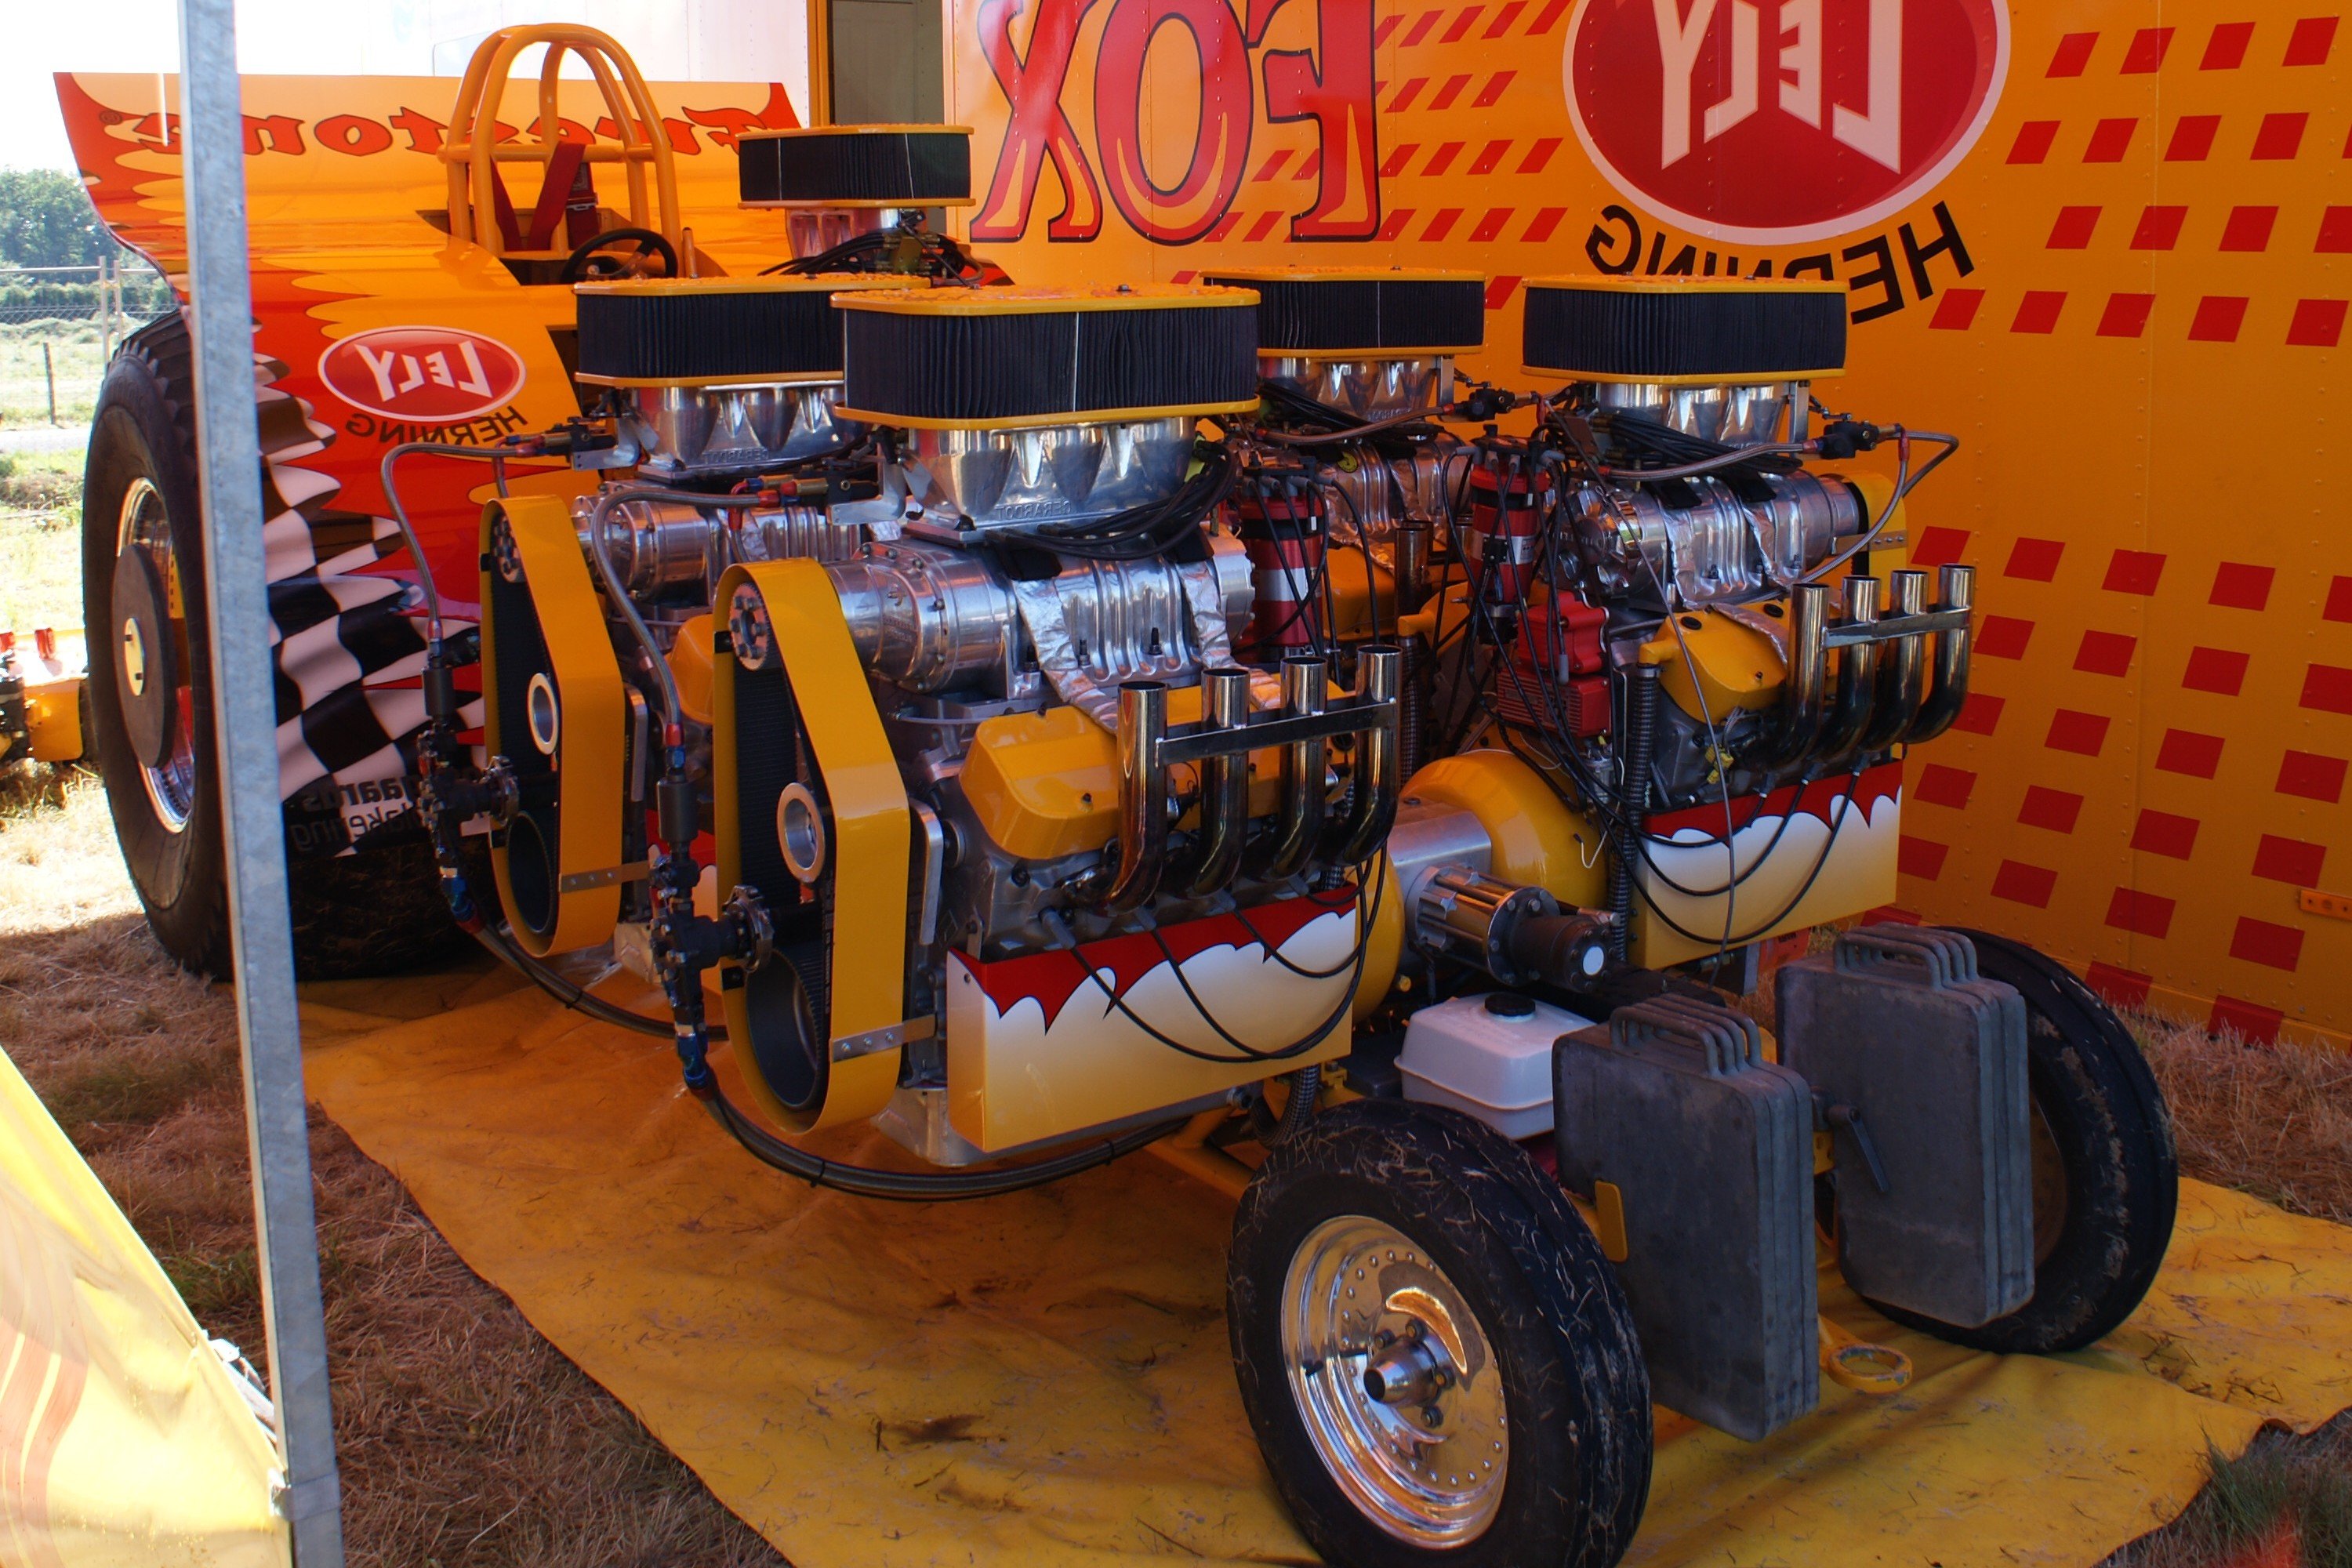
(1380, 777)
(1224, 828)
(1143, 801)
(1857, 681)
(1412, 572)
(1949, 692)
(1804, 690)
(1305, 802)
(1902, 671)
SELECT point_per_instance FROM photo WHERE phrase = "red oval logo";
(430, 375)
(1779, 122)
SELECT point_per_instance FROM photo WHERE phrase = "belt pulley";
(812, 818)
(555, 710)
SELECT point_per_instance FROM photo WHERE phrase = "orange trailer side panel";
(2105, 243)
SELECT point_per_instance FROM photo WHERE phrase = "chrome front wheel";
(1434, 1356)
(1395, 1381)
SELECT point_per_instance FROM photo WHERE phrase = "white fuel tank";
(1489, 1056)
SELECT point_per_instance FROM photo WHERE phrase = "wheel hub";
(145, 678)
(1395, 1382)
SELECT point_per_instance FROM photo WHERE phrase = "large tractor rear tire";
(2107, 1178)
(1438, 1362)
(151, 702)
(140, 544)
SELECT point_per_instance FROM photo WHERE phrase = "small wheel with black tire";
(151, 702)
(1436, 1358)
(2107, 1178)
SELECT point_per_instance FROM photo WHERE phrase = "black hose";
(925, 1186)
(1412, 704)
(575, 997)
(1295, 1114)
(1633, 798)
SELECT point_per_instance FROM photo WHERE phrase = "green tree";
(46, 220)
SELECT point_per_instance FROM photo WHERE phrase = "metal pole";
(228, 454)
(49, 372)
(105, 314)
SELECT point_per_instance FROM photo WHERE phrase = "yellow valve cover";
(1363, 596)
(1711, 663)
(1046, 784)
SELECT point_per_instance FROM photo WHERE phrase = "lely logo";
(428, 374)
(1780, 122)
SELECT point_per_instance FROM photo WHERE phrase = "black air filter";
(1005, 356)
(856, 166)
(1684, 330)
(711, 330)
(1344, 312)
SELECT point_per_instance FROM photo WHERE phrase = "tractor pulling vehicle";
(1052, 723)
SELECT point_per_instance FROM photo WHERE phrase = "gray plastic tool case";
(1896, 1024)
(1710, 1147)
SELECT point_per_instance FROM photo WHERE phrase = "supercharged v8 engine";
(1665, 604)
(916, 601)
(1122, 894)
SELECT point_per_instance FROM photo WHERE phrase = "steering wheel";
(584, 263)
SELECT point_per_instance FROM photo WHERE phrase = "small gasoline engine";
(1054, 720)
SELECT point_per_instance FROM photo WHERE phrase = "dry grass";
(465, 1438)
(2284, 1503)
(2274, 1121)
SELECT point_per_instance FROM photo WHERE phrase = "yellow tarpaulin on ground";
(123, 1440)
(1044, 1379)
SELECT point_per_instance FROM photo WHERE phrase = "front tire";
(2106, 1177)
(1437, 1360)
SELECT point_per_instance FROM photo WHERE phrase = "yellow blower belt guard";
(555, 709)
(814, 669)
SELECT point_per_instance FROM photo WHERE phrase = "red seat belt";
(563, 166)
